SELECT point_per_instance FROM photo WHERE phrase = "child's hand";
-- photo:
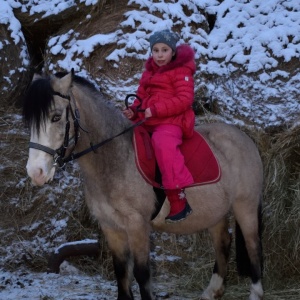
(148, 113)
(128, 113)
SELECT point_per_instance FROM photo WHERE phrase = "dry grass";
(282, 204)
(21, 206)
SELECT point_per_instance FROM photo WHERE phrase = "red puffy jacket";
(168, 91)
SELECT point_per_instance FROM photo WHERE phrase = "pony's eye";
(56, 118)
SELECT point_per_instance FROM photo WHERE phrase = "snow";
(51, 7)
(69, 285)
(85, 241)
(255, 34)
(256, 26)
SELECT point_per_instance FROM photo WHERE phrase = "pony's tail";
(242, 257)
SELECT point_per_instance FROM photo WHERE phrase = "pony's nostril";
(37, 173)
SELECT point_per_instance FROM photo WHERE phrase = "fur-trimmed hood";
(184, 56)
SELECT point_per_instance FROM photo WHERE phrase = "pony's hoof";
(212, 295)
(207, 296)
(257, 292)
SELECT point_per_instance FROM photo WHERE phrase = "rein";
(93, 148)
(59, 154)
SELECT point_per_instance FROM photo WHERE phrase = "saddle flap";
(199, 158)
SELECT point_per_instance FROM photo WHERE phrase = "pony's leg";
(142, 275)
(221, 242)
(249, 250)
(139, 241)
(122, 260)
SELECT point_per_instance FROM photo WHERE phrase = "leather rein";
(59, 154)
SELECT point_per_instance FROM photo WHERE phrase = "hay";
(282, 204)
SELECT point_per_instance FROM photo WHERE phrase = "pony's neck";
(103, 121)
(99, 117)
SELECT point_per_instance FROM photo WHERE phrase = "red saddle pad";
(199, 158)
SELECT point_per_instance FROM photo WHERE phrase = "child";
(167, 92)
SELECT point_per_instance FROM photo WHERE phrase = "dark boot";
(179, 207)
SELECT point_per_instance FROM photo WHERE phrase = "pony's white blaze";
(39, 164)
(40, 167)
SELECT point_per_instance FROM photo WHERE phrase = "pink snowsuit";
(169, 93)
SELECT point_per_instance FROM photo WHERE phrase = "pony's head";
(46, 110)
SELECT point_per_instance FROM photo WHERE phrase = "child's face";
(162, 54)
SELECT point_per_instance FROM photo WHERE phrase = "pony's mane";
(39, 98)
(36, 111)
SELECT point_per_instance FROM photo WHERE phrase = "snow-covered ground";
(69, 285)
(21, 285)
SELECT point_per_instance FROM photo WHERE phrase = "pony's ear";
(63, 84)
(36, 76)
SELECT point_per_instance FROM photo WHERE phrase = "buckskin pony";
(68, 116)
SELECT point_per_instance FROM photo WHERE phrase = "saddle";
(199, 159)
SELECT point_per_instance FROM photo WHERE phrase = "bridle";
(58, 155)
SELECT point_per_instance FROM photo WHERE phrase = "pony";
(70, 119)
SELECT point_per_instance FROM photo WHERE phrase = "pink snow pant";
(166, 139)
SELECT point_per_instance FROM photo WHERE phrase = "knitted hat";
(165, 36)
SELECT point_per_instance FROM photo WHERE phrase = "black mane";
(37, 102)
